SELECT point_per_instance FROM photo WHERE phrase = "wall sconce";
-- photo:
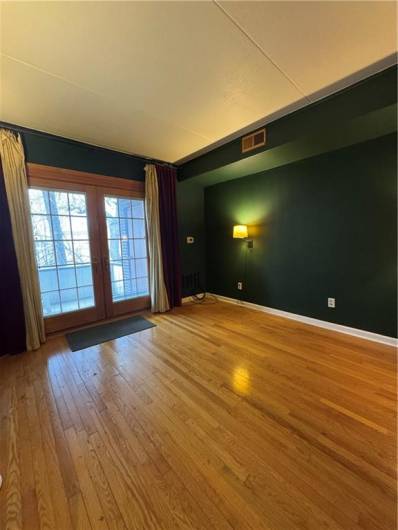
(241, 232)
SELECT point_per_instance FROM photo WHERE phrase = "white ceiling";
(166, 79)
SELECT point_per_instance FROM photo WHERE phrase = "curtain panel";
(159, 298)
(16, 185)
(164, 259)
(167, 178)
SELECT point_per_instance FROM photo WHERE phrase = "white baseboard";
(368, 335)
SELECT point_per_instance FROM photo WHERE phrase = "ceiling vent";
(254, 140)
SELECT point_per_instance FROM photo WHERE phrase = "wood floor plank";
(29, 510)
(78, 512)
(13, 476)
(220, 417)
(46, 509)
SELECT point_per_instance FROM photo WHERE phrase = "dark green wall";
(341, 227)
(50, 150)
(190, 210)
(322, 227)
(367, 96)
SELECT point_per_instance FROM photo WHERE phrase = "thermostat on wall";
(190, 240)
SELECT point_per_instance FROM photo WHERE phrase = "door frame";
(95, 186)
(114, 309)
(90, 314)
(59, 174)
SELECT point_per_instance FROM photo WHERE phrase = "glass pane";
(86, 297)
(84, 275)
(124, 207)
(44, 253)
(142, 286)
(126, 248)
(141, 267)
(126, 241)
(38, 201)
(67, 278)
(116, 271)
(51, 303)
(114, 250)
(112, 225)
(117, 290)
(111, 207)
(138, 209)
(131, 252)
(77, 204)
(124, 228)
(61, 227)
(62, 250)
(69, 301)
(82, 251)
(41, 226)
(79, 228)
(48, 279)
(130, 289)
(128, 271)
(59, 202)
(133, 268)
(139, 228)
(130, 232)
(140, 248)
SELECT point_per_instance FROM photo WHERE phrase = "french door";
(124, 255)
(91, 251)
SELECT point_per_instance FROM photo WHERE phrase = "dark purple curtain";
(167, 177)
(12, 320)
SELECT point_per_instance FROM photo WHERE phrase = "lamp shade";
(240, 231)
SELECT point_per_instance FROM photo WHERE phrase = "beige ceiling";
(166, 79)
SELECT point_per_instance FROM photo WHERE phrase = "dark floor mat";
(84, 338)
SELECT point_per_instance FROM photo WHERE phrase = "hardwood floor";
(220, 417)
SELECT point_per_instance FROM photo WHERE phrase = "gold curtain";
(159, 299)
(16, 185)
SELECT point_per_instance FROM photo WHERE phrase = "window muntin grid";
(127, 247)
(62, 249)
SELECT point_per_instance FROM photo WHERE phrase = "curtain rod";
(34, 132)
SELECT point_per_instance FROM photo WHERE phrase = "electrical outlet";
(332, 302)
(240, 286)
